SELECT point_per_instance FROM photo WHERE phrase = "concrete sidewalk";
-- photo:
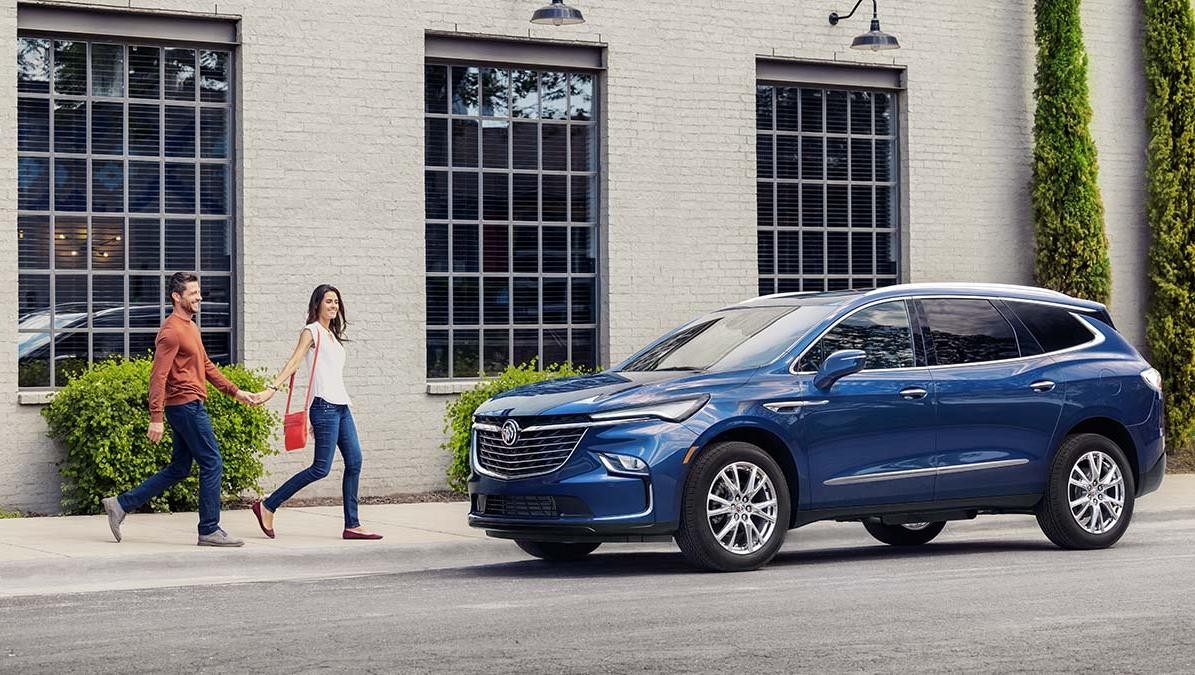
(77, 553)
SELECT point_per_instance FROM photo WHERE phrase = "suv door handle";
(1042, 386)
(912, 393)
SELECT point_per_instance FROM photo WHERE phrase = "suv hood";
(602, 391)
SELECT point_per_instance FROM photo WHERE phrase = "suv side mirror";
(838, 365)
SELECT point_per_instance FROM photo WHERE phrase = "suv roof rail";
(974, 286)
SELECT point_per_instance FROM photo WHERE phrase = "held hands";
(255, 399)
(156, 429)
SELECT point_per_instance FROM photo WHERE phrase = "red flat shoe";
(257, 507)
(350, 534)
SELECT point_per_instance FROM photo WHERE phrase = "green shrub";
(1170, 183)
(1068, 215)
(9, 514)
(458, 420)
(102, 415)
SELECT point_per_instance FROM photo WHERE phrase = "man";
(177, 390)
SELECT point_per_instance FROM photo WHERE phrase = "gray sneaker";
(219, 538)
(115, 514)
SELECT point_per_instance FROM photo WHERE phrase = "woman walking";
(322, 341)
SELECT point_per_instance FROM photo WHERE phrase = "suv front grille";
(536, 452)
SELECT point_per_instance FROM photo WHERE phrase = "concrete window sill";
(35, 397)
(451, 388)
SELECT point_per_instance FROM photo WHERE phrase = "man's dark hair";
(178, 284)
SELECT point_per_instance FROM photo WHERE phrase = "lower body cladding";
(587, 499)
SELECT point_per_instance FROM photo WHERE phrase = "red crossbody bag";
(295, 423)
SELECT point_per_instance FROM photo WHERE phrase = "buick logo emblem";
(510, 432)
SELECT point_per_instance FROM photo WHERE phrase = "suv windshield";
(730, 339)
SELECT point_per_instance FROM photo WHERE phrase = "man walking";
(177, 390)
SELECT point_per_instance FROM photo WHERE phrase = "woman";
(331, 420)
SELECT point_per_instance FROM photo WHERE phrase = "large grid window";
(511, 190)
(827, 192)
(125, 172)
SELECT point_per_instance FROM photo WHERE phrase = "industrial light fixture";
(874, 39)
(557, 14)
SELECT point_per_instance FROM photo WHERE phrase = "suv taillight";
(1152, 378)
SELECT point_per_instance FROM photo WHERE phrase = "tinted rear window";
(1054, 327)
(969, 331)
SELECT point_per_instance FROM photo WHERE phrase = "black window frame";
(446, 331)
(133, 338)
(804, 274)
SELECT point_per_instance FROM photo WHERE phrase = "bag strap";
(291, 388)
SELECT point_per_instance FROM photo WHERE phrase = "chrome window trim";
(929, 471)
(1097, 337)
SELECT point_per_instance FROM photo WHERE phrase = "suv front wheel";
(736, 509)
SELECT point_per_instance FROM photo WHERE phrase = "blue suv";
(900, 408)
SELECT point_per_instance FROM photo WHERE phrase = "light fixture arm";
(834, 18)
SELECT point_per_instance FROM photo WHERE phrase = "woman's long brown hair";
(339, 323)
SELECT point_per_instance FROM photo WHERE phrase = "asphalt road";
(989, 595)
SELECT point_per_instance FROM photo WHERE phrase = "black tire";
(903, 535)
(696, 537)
(1054, 511)
(556, 551)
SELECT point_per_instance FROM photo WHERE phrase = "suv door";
(997, 397)
(869, 438)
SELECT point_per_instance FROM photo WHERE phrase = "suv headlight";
(672, 411)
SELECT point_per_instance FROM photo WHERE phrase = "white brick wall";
(331, 131)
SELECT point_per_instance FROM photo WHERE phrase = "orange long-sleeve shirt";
(181, 367)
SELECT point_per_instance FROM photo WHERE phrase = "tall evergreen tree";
(1170, 178)
(1072, 248)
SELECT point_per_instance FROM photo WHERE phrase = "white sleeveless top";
(328, 381)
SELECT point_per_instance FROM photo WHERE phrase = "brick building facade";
(482, 189)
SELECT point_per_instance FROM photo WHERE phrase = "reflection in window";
(969, 331)
(882, 331)
(510, 194)
(92, 202)
(825, 196)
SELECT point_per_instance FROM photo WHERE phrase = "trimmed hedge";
(458, 418)
(1170, 181)
(102, 416)
(1068, 215)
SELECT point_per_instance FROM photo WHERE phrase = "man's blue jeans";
(194, 441)
(332, 425)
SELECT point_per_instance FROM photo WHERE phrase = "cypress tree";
(1068, 215)
(1170, 181)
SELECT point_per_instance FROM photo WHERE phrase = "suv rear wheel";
(736, 509)
(907, 534)
(1089, 496)
(556, 551)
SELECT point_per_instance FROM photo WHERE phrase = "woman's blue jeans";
(332, 425)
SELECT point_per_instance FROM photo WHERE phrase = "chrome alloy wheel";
(1096, 492)
(915, 527)
(741, 508)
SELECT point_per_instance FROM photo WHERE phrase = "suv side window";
(883, 331)
(1054, 327)
(969, 331)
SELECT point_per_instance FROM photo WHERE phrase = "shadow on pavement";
(667, 563)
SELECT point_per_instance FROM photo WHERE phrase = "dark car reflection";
(70, 337)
